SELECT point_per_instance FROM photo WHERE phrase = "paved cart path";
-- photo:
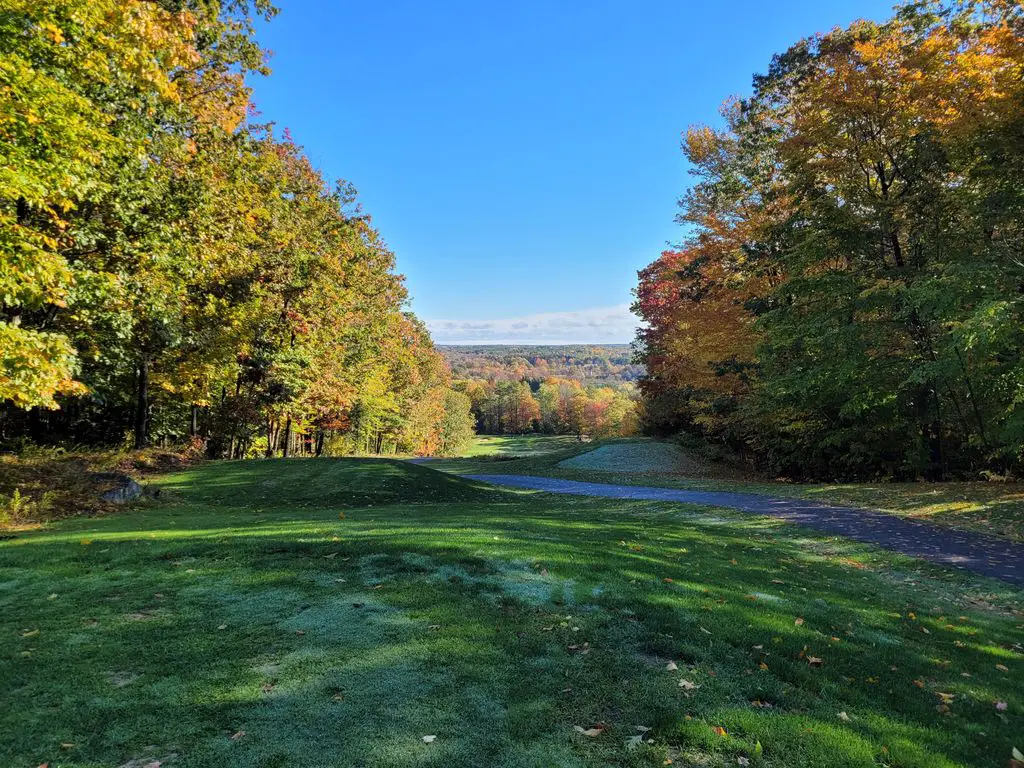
(987, 555)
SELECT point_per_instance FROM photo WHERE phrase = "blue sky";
(521, 158)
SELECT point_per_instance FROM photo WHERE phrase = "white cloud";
(600, 325)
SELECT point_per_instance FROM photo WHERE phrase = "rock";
(122, 488)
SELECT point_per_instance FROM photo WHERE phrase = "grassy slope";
(242, 622)
(519, 445)
(993, 508)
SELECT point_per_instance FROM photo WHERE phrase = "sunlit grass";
(994, 508)
(518, 445)
(241, 623)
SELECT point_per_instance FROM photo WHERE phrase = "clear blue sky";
(521, 158)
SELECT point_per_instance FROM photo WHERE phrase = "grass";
(993, 508)
(328, 612)
(519, 445)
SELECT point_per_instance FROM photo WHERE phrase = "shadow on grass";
(497, 623)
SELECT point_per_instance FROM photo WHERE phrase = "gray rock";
(123, 488)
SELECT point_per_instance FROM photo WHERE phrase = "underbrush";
(39, 485)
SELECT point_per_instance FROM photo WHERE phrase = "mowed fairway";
(334, 612)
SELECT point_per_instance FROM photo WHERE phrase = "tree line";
(605, 364)
(848, 302)
(173, 267)
(554, 406)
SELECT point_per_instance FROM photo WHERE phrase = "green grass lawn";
(334, 612)
(993, 508)
(519, 445)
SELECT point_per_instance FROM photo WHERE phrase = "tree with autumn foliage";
(169, 267)
(554, 406)
(849, 303)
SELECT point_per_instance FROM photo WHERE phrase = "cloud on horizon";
(600, 325)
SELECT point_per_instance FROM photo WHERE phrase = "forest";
(553, 406)
(605, 364)
(582, 390)
(174, 268)
(847, 300)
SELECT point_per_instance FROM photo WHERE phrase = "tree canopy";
(170, 266)
(848, 303)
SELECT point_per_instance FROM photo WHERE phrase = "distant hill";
(587, 363)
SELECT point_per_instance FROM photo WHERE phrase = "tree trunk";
(319, 442)
(287, 436)
(270, 438)
(193, 424)
(142, 407)
(931, 432)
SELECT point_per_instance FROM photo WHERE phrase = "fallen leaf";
(30, 633)
(671, 666)
(1002, 668)
(814, 661)
(844, 717)
(720, 730)
(687, 685)
(634, 741)
(223, 626)
(799, 622)
(237, 735)
(429, 739)
(1001, 706)
(589, 732)
(743, 760)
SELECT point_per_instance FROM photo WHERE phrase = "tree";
(457, 425)
(848, 304)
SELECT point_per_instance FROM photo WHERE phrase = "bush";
(17, 509)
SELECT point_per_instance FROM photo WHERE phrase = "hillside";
(590, 363)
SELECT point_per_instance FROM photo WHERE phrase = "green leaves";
(850, 256)
(145, 226)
